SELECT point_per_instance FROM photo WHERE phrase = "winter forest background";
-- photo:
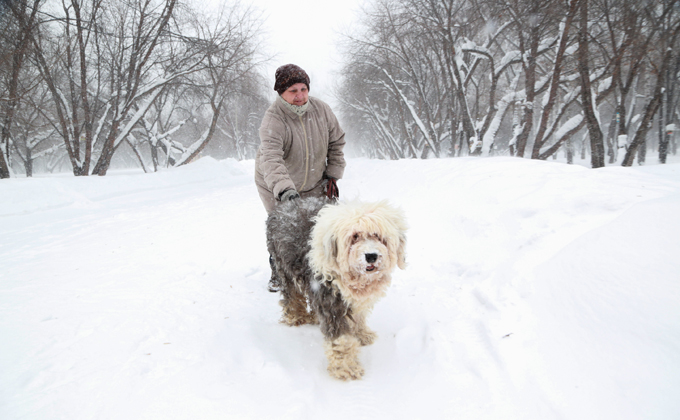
(87, 85)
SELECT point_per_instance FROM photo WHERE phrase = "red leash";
(332, 190)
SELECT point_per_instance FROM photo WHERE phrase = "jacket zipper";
(304, 130)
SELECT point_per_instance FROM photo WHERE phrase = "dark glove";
(332, 190)
(289, 195)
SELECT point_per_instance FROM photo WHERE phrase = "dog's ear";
(398, 230)
(330, 247)
(401, 251)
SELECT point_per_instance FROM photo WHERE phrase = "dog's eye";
(355, 238)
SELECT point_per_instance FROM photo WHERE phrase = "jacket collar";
(297, 110)
(285, 107)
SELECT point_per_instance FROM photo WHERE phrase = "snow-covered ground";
(535, 290)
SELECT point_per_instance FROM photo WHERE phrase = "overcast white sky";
(304, 32)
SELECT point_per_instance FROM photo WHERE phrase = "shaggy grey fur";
(288, 230)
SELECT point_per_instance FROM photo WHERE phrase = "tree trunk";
(594, 130)
(650, 110)
(28, 163)
(530, 88)
(642, 152)
(26, 23)
(4, 168)
(555, 80)
(84, 96)
(663, 138)
(468, 127)
(104, 160)
(612, 144)
(570, 151)
(59, 106)
(213, 125)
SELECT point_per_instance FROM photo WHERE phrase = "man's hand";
(289, 195)
(332, 190)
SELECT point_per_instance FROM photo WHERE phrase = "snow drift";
(535, 290)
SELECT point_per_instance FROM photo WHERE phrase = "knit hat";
(288, 75)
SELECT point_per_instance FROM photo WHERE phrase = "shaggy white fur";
(354, 247)
(345, 234)
(343, 358)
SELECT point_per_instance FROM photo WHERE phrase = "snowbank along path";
(535, 290)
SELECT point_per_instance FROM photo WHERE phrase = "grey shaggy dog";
(334, 261)
(289, 228)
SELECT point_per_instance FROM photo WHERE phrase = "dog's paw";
(367, 337)
(343, 358)
(292, 322)
(346, 371)
(297, 319)
(312, 318)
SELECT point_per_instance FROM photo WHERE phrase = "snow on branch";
(421, 125)
(135, 118)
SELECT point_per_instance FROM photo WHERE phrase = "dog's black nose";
(371, 258)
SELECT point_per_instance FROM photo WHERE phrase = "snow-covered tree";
(124, 75)
(445, 77)
(18, 21)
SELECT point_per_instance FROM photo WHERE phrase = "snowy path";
(534, 291)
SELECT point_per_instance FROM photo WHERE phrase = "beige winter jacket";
(296, 152)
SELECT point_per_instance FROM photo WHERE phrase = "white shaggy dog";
(339, 259)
